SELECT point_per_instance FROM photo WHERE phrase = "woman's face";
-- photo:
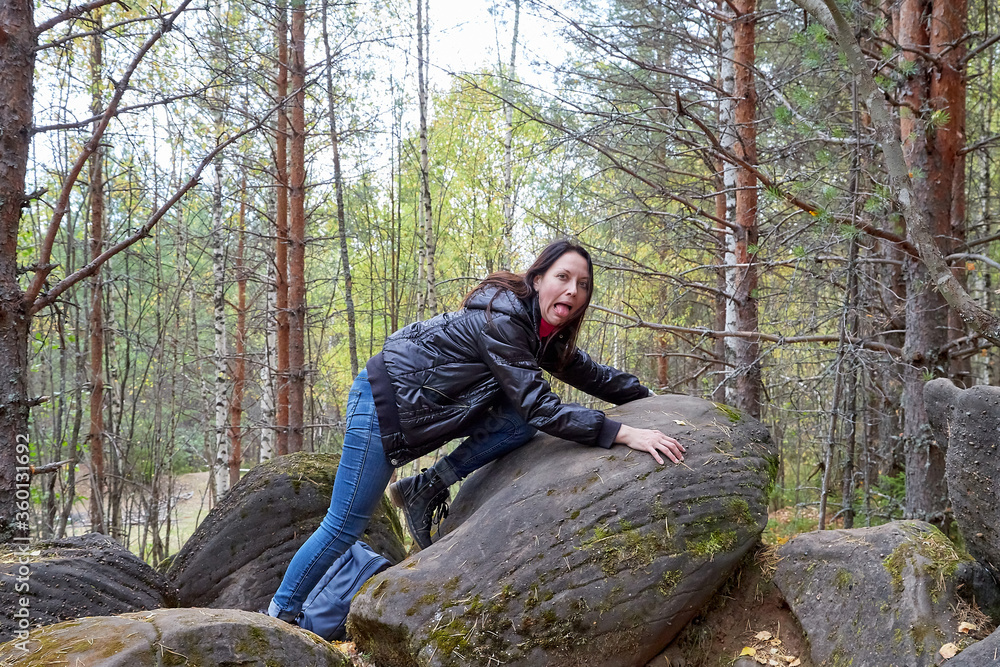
(563, 289)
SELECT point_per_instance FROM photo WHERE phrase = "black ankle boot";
(424, 501)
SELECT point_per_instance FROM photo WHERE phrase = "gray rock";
(238, 555)
(190, 637)
(970, 418)
(940, 396)
(980, 654)
(89, 575)
(872, 597)
(560, 554)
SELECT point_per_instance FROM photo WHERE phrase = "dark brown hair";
(523, 286)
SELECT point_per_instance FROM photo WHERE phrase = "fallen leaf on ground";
(763, 635)
(748, 650)
(949, 650)
(966, 628)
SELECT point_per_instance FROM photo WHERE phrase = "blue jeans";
(362, 477)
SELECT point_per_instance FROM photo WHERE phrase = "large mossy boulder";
(967, 422)
(89, 575)
(561, 554)
(872, 597)
(179, 637)
(238, 555)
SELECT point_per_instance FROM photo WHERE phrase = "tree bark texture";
(95, 435)
(220, 354)
(268, 391)
(17, 67)
(281, 236)
(296, 235)
(932, 127)
(740, 137)
(239, 360)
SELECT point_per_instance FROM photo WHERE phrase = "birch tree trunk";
(739, 136)
(220, 473)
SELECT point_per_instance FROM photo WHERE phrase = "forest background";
(224, 208)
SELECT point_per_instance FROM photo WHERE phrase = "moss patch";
(669, 581)
(739, 511)
(731, 413)
(713, 543)
(941, 556)
(625, 547)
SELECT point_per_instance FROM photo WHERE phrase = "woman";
(475, 373)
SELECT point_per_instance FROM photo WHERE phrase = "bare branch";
(119, 112)
(767, 182)
(753, 335)
(74, 13)
(89, 269)
(979, 49)
(62, 203)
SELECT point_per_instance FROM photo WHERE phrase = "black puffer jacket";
(433, 381)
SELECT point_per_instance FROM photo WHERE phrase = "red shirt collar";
(545, 329)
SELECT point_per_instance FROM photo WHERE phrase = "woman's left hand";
(652, 442)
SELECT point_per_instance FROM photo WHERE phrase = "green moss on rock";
(731, 413)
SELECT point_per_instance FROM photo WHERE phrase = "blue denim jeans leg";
(361, 480)
(502, 431)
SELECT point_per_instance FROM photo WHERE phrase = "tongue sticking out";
(562, 310)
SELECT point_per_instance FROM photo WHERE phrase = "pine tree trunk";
(239, 360)
(931, 145)
(281, 236)
(17, 64)
(95, 435)
(296, 236)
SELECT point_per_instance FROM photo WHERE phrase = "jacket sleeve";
(604, 382)
(505, 347)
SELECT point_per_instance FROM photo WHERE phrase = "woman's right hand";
(652, 442)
